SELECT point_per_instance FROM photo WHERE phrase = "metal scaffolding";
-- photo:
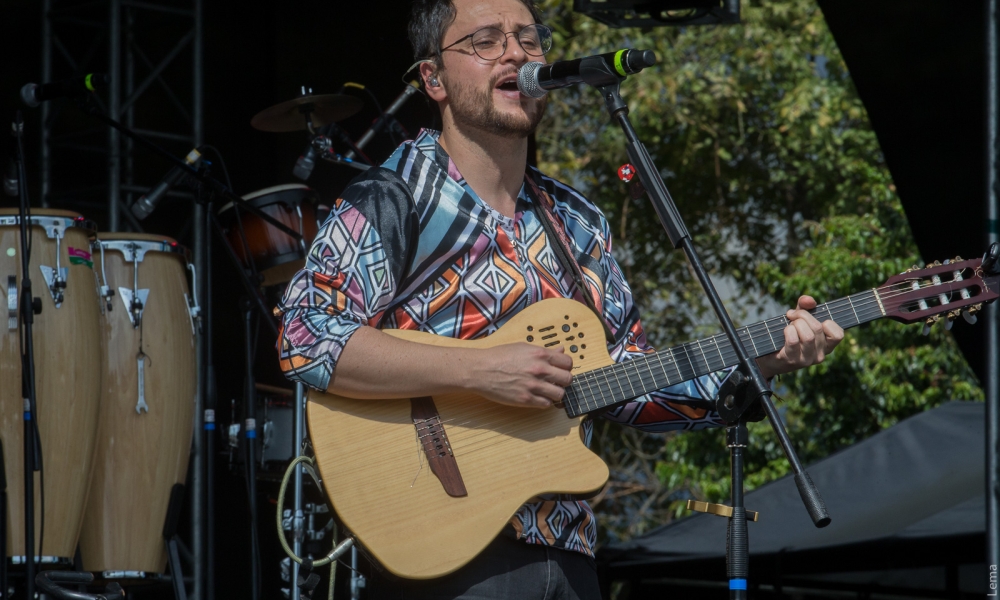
(153, 57)
(152, 53)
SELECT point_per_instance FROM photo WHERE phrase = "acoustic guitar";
(424, 484)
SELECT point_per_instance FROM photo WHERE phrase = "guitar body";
(376, 472)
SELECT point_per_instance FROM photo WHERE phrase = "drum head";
(289, 192)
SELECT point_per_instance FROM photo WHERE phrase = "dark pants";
(507, 568)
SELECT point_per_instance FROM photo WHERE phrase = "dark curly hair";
(429, 19)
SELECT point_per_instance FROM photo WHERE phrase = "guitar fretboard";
(621, 382)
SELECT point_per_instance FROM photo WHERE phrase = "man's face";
(482, 93)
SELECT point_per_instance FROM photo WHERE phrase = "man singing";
(447, 237)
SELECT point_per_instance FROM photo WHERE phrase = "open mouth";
(508, 83)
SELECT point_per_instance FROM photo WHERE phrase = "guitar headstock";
(939, 291)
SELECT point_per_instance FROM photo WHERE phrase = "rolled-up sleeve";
(350, 278)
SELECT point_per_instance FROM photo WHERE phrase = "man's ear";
(431, 77)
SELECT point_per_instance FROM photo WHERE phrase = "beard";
(476, 108)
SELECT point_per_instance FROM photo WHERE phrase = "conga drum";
(67, 377)
(147, 405)
(275, 255)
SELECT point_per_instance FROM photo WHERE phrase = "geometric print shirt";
(411, 246)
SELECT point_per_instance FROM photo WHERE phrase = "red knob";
(626, 172)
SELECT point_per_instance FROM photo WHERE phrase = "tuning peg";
(947, 324)
(969, 318)
(927, 329)
(957, 259)
(936, 263)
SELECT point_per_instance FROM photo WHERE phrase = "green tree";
(769, 154)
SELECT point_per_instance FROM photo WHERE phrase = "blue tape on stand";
(210, 426)
(737, 584)
(252, 433)
(27, 416)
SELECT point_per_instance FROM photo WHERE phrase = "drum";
(147, 405)
(277, 256)
(67, 377)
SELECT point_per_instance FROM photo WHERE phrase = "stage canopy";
(908, 514)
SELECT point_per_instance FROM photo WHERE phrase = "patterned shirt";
(411, 246)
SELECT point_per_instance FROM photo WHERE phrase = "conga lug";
(126, 295)
(53, 279)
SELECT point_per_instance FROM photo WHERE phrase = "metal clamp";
(194, 310)
(718, 509)
(11, 303)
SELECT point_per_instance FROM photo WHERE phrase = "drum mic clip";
(194, 310)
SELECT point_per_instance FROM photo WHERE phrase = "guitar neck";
(610, 385)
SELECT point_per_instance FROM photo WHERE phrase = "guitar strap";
(561, 246)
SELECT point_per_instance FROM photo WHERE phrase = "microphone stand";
(28, 311)
(411, 89)
(748, 386)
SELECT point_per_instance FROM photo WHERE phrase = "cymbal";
(290, 116)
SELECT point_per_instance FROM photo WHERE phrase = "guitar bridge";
(437, 448)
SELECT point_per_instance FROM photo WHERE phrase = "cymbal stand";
(250, 431)
(298, 517)
(749, 386)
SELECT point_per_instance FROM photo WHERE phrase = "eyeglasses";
(489, 43)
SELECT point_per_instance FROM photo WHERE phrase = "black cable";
(222, 163)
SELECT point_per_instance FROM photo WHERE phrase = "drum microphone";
(34, 94)
(147, 203)
(536, 79)
(10, 179)
(305, 164)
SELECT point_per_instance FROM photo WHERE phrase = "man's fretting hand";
(522, 375)
(807, 341)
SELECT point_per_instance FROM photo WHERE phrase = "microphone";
(147, 203)
(411, 88)
(10, 179)
(536, 79)
(34, 94)
(305, 164)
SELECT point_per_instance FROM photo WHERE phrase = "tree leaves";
(767, 151)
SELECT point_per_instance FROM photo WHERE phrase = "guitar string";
(483, 428)
(635, 364)
(648, 374)
(644, 374)
(836, 306)
(834, 309)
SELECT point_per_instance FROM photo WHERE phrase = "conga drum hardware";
(141, 450)
(55, 229)
(135, 299)
(133, 252)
